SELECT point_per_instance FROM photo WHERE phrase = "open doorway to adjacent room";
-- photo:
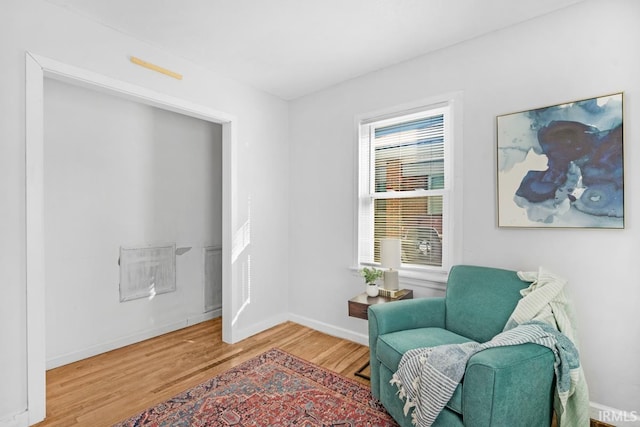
(97, 189)
(132, 221)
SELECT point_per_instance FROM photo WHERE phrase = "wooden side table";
(358, 306)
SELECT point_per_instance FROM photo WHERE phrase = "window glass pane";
(417, 221)
(410, 155)
(403, 188)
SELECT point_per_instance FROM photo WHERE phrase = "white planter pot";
(372, 290)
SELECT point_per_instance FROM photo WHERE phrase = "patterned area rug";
(273, 389)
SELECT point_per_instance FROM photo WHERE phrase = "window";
(405, 191)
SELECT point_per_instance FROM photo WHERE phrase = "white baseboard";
(259, 327)
(330, 329)
(613, 416)
(130, 339)
(18, 420)
(213, 314)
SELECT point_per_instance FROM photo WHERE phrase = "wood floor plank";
(105, 389)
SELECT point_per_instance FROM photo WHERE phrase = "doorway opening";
(37, 69)
(132, 199)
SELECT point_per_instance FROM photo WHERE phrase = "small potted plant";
(370, 276)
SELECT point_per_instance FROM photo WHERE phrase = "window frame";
(451, 106)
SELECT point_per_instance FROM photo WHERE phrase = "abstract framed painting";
(562, 166)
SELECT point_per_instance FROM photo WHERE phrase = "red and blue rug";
(273, 389)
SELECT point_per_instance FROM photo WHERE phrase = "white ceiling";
(291, 48)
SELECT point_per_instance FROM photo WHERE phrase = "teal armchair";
(506, 386)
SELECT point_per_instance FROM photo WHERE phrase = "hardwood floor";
(113, 386)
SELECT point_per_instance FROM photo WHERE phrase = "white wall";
(119, 173)
(586, 50)
(261, 172)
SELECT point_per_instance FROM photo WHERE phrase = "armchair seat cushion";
(393, 345)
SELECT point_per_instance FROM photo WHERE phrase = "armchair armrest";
(398, 316)
(406, 314)
(497, 377)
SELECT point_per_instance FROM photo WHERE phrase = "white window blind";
(403, 186)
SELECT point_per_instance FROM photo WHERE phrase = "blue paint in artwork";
(598, 155)
(583, 145)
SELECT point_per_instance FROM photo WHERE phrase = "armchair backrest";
(479, 300)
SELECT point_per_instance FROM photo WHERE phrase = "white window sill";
(430, 279)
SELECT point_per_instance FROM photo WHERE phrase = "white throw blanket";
(544, 300)
(428, 377)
